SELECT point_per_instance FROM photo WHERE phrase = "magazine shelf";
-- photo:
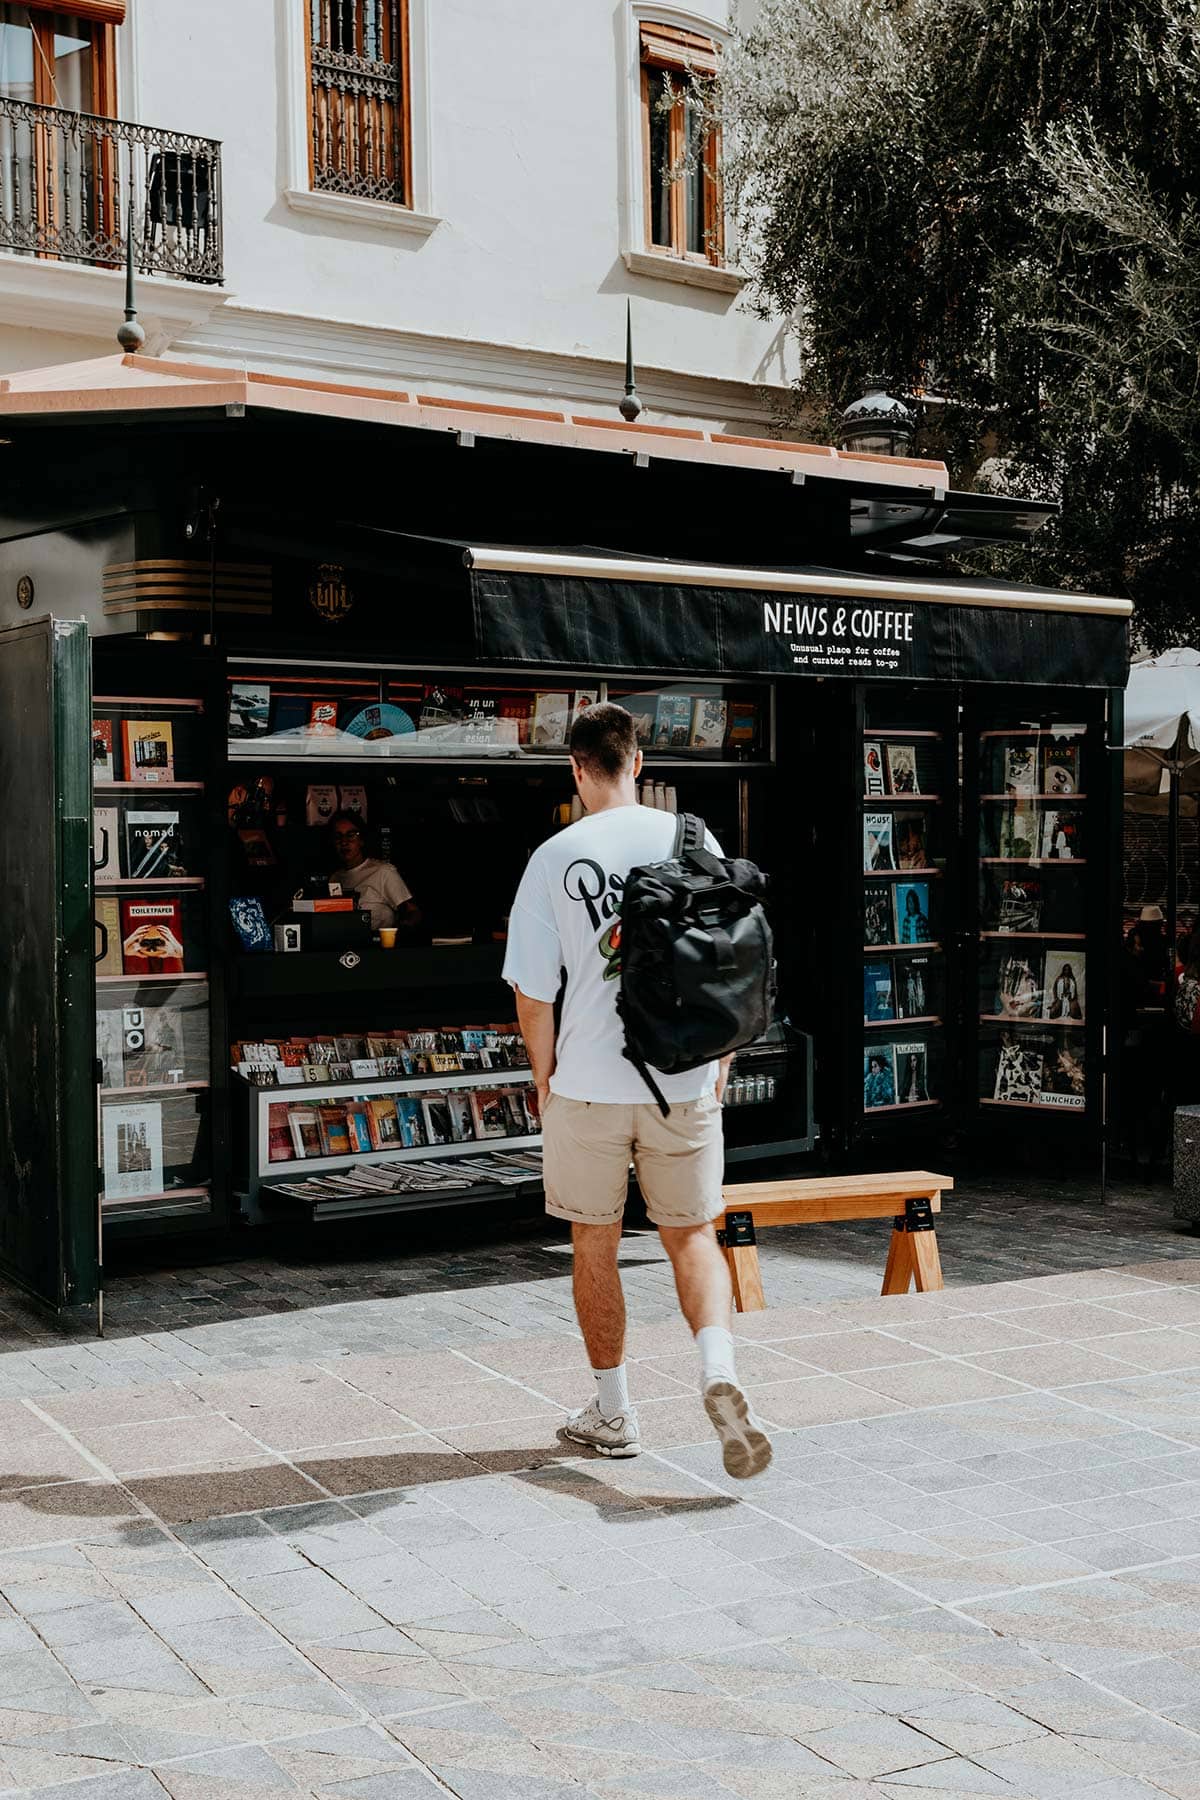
(151, 980)
(891, 1024)
(1039, 1024)
(901, 949)
(1058, 937)
(148, 789)
(156, 881)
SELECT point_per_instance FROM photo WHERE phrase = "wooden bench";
(909, 1200)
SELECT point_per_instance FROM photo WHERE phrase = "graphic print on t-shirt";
(566, 919)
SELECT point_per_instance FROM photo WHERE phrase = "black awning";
(905, 625)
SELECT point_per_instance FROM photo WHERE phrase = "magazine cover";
(149, 750)
(110, 1047)
(672, 721)
(279, 1136)
(1063, 1082)
(458, 1107)
(879, 1081)
(877, 843)
(152, 1037)
(152, 844)
(249, 709)
(1019, 833)
(383, 1123)
(133, 1151)
(1063, 986)
(1020, 769)
(1020, 905)
(1060, 766)
(707, 723)
(908, 834)
(436, 1115)
(305, 1131)
(152, 937)
(912, 912)
(914, 990)
(551, 720)
(489, 1114)
(412, 1123)
(743, 722)
(912, 1083)
(873, 782)
(879, 1001)
(356, 1123)
(322, 718)
(107, 919)
(335, 1133)
(102, 750)
(1062, 835)
(1018, 989)
(106, 844)
(877, 913)
(1019, 1071)
(902, 769)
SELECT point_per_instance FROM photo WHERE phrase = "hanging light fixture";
(878, 424)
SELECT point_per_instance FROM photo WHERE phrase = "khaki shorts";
(588, 1145)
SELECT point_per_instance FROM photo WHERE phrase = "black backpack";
(697, 968)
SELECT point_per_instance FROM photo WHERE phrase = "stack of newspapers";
(503, 1168)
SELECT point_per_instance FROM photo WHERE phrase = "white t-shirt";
(380, 888)
(565, 916)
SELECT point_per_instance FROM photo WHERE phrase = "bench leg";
(747, 1281)
(899, 1270)
(927, 1264)
(913, 1252)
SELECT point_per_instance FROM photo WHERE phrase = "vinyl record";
(380, 721)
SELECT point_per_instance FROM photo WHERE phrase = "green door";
(49, 1235)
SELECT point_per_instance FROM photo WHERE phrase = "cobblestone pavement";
(339, 1550)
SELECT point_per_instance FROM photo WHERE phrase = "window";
(358, 102)
(682, 182)
(55, 58)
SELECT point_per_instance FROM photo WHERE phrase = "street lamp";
(878, 424)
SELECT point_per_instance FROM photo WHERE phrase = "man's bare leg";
(608, 1424)
(706, 1301)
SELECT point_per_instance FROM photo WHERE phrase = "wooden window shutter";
(104, 12)
(670, 47)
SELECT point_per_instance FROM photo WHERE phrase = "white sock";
(612, 1391)
(715, 1345)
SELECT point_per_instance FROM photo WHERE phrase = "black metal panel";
(48, 1214)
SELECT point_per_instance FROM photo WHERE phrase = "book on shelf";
(335, 1133)
(551, 720)
(1020, 769)
(440, 705)
(152, 844)
(435, 1115)
(149, 750)
(1018, 988)
(1064, 1082)
(107, 920)
(1019, 1063)
(908, 837)
(878, 853)
(874, 784)
(911, 1063)
(279, 1135)
(877, 913)
(291, 714)
(489, 1113)
(327, 903)
(1020, 904)
(1019, 833)
(249, 709)
(458, 1107)
(1064, 986)
(357, 1127)
(249, 922)
(412, 1122)
(1060, 765)
(532, 1112)
(642, 711)
(305, 1130)
(1062, 834)
(743, 723)
(110, 1047)
(912, 921)
(152, 1045)
(106, 844)
(322, 718)
(516, 710)
(383, 1122)
(103, 766)
(672, 721)
(582, 699)
(152, 937)
(133, 1150)
(879, 1077)
(320, 802)
(879, 992)
(902, 769)
(914, 991)
(707, 730)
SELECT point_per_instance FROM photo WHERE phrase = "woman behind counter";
(378, 886)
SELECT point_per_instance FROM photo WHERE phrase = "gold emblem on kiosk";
(329, 594)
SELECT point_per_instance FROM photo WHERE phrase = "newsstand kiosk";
(233, 605)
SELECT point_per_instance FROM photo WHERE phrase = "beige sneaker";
(611, 1437)
(746, 1446)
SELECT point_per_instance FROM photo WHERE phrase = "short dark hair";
(348, 818)
(604, 741)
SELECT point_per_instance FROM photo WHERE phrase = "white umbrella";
(1162, 700)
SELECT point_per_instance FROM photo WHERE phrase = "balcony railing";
(71, 182)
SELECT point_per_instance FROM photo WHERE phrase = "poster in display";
(133, 1151)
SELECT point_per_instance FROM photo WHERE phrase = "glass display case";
(1037, 1050)
(149, 855)
(906, 784)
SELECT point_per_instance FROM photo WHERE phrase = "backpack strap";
(690, 831)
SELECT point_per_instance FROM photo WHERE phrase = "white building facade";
(453, 197)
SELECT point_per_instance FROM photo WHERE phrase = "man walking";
(597, 1113)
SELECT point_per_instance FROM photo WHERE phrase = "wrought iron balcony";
(71, 182)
